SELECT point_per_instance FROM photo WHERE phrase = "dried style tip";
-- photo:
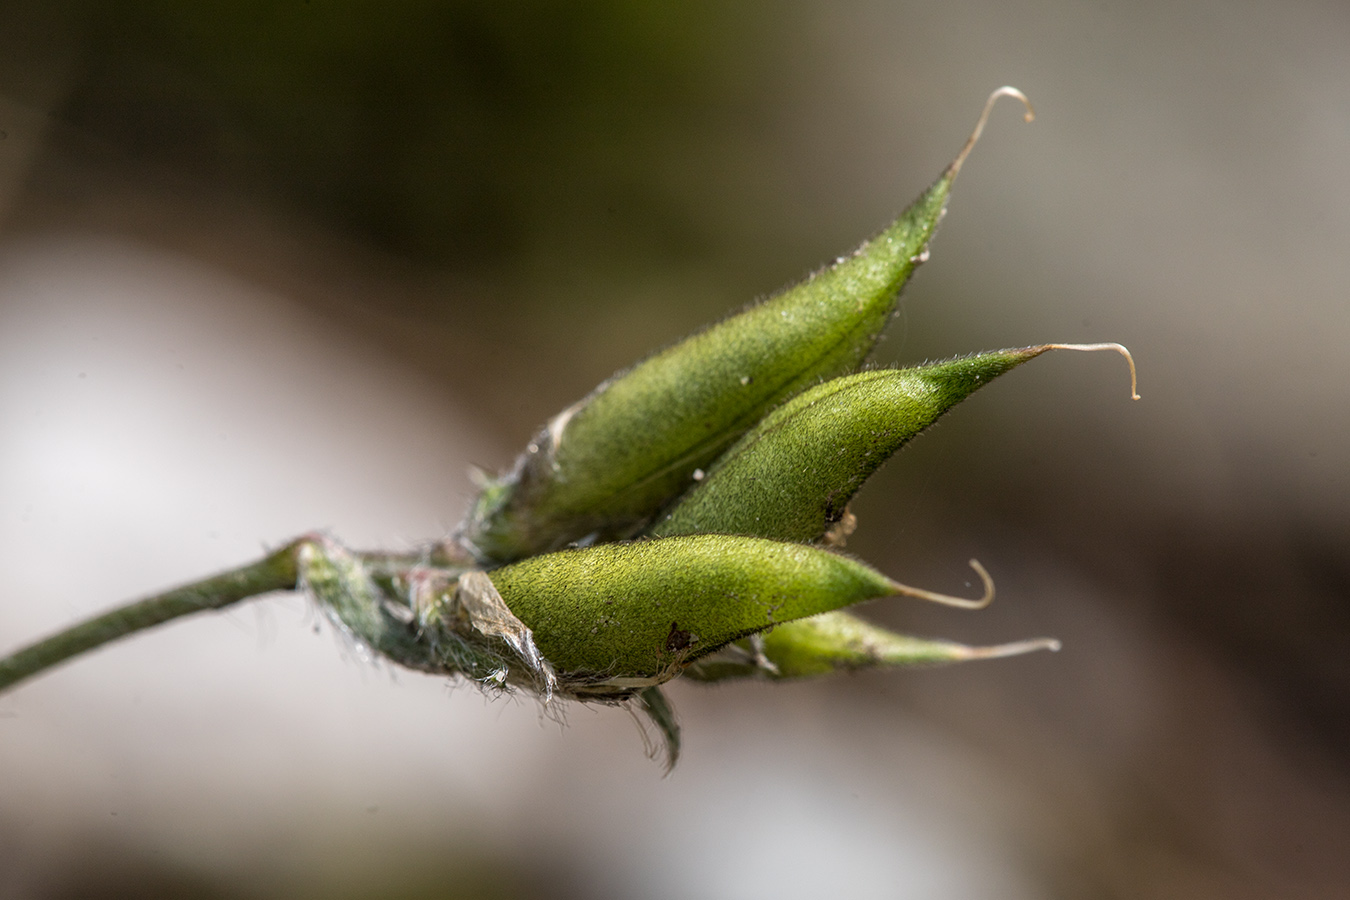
(1013, 648)
(1091, 348)
(905, 590)
(1005, 91)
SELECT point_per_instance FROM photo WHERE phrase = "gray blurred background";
(273, 266)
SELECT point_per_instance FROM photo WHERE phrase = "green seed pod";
(839, 641)
(615, 617)
(791, 476)
(601, 468)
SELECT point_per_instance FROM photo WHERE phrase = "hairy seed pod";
(601, 468)
(630, 615)
(837, 641)
(791, 476)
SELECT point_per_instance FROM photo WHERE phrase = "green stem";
(274, 572)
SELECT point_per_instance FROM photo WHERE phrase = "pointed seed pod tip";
(904, 590)
(1092, 348)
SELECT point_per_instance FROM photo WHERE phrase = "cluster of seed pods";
(684, 518)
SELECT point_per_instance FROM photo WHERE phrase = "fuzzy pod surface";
(791, 476)
(644, 609)
(607, 464)
(840, 641)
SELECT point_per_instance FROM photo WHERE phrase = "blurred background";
(274, 266)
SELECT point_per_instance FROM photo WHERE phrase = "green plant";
(684, 518)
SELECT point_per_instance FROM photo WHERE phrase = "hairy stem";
(275, 572)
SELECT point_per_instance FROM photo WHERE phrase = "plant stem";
(275, 572)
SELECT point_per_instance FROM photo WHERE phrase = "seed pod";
(630, 615)
(601, 468)
(792, 475)
(838, 641)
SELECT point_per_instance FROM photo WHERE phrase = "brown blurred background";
(272, 266)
